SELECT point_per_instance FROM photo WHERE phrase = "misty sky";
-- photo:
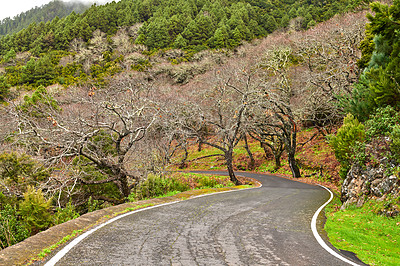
(11, 8)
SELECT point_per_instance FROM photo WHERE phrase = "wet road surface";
(263, 226)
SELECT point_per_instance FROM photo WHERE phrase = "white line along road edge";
(74, 242)
(318, 237)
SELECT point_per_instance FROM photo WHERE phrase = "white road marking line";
(74, 242)
(318, 237)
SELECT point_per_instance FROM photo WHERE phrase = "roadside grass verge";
(374, 238)
(46, 251)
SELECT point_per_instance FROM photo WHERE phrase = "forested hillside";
(45, 13)
(101, 105)
(180, 24)
(83, 47)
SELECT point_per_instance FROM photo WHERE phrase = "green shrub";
(4, 88)
(211, 182)
(359, 152)
(351, 132)
(93, 205)
(155, 186)
(382, 122)
(35, 210)
(141, 65)
(207, 182)
(12, 230)
(19, 171)
(63, 215)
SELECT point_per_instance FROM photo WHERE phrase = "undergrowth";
(156, 186)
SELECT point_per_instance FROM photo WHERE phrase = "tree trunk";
(277, 153)
(277, 161)
(252, 163)
(183, 161)
(123, 185)
(293, 166)
(229, 164)
(200, 146)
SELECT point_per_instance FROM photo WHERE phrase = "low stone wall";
(363, 183)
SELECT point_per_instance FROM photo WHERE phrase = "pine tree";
(180, 42)
(157, 33)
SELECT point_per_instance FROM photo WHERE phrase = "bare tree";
(222, 109)
(94, 133)
(252, 163)
(269, 141)
(275, 107)
(329, 53)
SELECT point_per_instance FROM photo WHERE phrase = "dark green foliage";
(40, 101)
(384, 72)
(199, 30)
(361, 102)
(35, 210)
(90, 173)
(63, 215)
(156, 33)
(12, 230)
(382, 122)
(17, 172)
(180, 42)
(4, 88)
(379, 84)
(39, 72)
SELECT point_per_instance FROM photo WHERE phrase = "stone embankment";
(363, 183)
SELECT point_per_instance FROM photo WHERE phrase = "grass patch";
(374, 238)
(129, 209)
(46, 251)
(244, 186)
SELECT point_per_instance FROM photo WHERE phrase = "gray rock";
(368, 182)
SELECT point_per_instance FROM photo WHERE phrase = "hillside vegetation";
(96, 108)
(110, 38)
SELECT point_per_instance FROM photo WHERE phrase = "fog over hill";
(19, 14)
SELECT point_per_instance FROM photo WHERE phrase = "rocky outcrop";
(363, 183)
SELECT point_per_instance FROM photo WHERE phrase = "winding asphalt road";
(263, 226)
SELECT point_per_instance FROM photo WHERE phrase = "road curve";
(264, 226)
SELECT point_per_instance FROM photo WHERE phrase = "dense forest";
(45, 13)
(188, 23)
(95, 105)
